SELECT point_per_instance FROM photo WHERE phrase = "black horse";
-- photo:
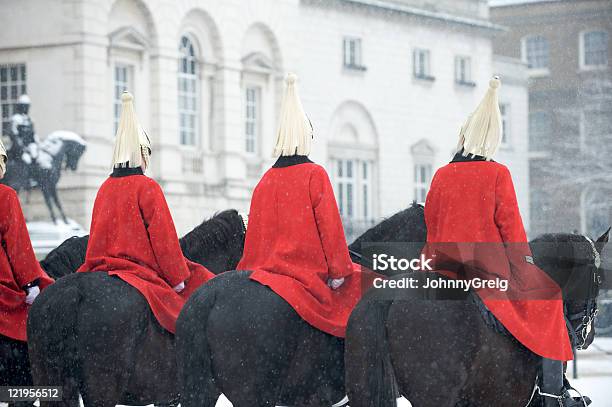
(95, 335)
(237, 337)
(448, 353)
(60, 150)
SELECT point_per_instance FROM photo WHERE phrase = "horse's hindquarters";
(104, 342)
(443, 354)
(245, 337)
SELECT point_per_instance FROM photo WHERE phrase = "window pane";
(188, 95)
(540, 128)
(252, 117)
(537, 52)
(349, 200)
(596, 48)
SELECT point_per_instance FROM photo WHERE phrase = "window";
(422, 179)
(122, 82)
(463, 71)
(352, 54)
(422, 64)
(535, 52)
(594, 47)
(188, 93)
(354, 188)
(504, 108)
(252, 117)
(12, 85)
(540, 129)
(596, 127)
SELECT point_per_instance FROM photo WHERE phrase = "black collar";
(460, 158)
(289, 160)
(119, 172)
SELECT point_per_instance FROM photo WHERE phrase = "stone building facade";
(567, 47)
(386, 84)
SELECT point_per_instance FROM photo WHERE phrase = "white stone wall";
(70, 48)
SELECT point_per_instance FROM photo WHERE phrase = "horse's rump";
(255, 346)
(106, 341)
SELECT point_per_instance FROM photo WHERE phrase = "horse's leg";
(57, 202)
(47, 195)
(370, 378)
(194, 358)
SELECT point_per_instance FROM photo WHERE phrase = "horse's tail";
(370, 378)
(52, 339)
(196, 382)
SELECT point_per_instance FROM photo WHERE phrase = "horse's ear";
(602, 240)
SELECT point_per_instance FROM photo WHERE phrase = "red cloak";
(295, 243)
(473, 204)
(133, 237)
(18, 266)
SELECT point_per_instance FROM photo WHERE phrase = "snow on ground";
(595, 372)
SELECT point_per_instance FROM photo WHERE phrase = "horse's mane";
(411, 220)
(66, 258)
(214, 234)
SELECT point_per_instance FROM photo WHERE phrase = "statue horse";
(59, 150)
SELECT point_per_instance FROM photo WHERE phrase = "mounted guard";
(22, 134)
(132, 233)
(473, 221)
(295, 242)
(21, 277)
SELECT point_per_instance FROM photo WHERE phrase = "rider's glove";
(180, 287)
(32, 294)
(335, 283)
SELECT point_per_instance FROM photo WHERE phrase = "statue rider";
(22, 132)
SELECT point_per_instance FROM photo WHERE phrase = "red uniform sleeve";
(162, 234)
(16, 241)
(507, 216)
(329, 225)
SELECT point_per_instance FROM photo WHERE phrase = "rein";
(361, 259)
(580, 334)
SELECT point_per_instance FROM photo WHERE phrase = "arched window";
(188, 100)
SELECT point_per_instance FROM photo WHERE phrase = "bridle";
(579, 334)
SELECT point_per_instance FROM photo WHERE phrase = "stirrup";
(565, 399)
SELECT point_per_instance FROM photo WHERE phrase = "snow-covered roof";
(435, 15)
(501, 3)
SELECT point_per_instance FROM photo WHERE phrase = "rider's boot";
(555, 387)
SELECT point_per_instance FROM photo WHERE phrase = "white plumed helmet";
(294, 134)
(481, 133)
(132, 144)
(3, 159)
